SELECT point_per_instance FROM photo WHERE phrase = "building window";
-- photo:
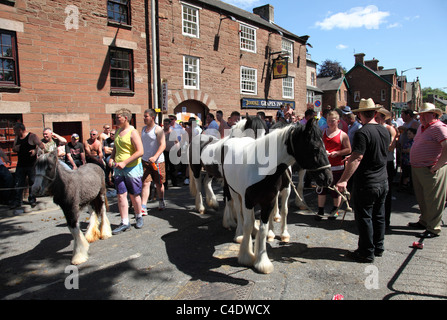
(190, 21)
(288, 47)
(313, 80)
(248, 80)
(119, 11)
(310, 97)
(356, 96)
(248, 38)
(9, 75)
(191, 72)
(287, 87)
(383, 94)
(346, 95)
(121, 70)
(7, 136)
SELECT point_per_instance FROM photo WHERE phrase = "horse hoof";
(264, 267)
(78, 260)
(285, 238)
(277, 219)
(270, 239)
(238, 239)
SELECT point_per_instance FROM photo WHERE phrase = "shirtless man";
(93, 149)
(223, 125)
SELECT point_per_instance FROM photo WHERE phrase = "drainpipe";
(154, 55)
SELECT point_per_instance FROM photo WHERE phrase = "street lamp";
(402, 82)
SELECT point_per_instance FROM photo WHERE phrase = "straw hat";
(385, 112)
(366, 105)
(429, 107)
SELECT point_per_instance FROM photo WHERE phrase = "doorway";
(66, 129)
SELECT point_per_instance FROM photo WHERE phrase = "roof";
(376, 73)
(330, 83)
(245, 16)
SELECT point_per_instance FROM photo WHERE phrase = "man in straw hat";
(428, 158)
(381, 117)
(370, 185)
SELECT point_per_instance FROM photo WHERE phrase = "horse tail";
(192, 183)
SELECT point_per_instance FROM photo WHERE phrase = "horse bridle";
(310, 170)
(47, 177)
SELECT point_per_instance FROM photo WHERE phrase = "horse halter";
(47, 177)
(290, 142)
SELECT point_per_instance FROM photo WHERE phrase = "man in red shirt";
(428, 158)
(337, 146)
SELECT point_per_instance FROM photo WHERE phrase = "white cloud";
(341, 47)
(368, 17)
(394, 25)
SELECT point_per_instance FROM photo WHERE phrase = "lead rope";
(345, 197)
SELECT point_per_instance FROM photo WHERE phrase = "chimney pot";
(266, 12)
(359, 58)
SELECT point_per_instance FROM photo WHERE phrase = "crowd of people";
(365, 147)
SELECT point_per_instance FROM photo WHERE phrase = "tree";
(329, 68)
(438, 92)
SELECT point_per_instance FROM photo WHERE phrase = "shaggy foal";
(73, 190)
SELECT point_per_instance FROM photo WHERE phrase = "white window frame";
(245, 81)
(194, 13)
(288, 84)
(287, 45)
(245, 41)
(187, 70)
(383, 94)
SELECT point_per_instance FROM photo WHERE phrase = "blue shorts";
(129, 180)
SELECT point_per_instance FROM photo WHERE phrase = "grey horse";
(73, 190)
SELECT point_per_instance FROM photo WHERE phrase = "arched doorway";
(192, 106)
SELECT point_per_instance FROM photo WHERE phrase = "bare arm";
(161, 141)
(442, 159)
(352, 163)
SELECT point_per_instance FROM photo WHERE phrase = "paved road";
(181, 255)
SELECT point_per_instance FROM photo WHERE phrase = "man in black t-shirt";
(367, 165)
(75, 153)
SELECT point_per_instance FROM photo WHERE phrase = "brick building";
(70, 65)
(336, 91)
(368, 80)
(214, 56)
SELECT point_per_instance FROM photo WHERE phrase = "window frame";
(196, 72)
(292, 79)
(128, 16)
(243, 26)
(289, 50)
(130, 70)
(197, 22)
(15, 58)
(255, 81)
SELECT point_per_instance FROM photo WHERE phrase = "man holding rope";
(368, 161)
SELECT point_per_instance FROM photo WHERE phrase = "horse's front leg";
(262, 261)
(211, 199)
(246, 256)
(238, 212)
(285, 194)
(80, 250)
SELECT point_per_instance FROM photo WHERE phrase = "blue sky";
(400, 34)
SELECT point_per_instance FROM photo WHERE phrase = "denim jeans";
(20, 175)
(369, 208)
